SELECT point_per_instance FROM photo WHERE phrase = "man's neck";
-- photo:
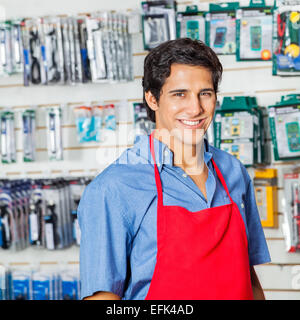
(187, 156)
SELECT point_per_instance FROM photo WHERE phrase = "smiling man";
(173, 217)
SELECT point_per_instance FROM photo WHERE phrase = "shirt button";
(184, 175)
(242, 205)
(158, 164)
(166, 153)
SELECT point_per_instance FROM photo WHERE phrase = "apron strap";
(221, 178)
(157, 176)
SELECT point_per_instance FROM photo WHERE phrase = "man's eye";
(205, 94)
(179, 94)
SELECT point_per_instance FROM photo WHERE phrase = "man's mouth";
(192, 124)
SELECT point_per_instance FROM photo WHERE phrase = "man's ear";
(151, 100)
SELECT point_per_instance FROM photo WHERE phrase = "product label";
(34, 229)
(49, 236)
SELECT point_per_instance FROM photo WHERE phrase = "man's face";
(187, 103)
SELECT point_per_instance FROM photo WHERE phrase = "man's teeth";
(190, 123)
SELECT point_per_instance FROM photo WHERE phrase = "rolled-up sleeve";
(105, 239)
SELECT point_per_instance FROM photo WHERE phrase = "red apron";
(200, 255)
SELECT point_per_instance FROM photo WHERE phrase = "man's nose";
(195, 107)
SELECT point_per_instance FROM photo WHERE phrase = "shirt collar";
(163, 155)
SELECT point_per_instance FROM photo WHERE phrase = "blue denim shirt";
(117, 215)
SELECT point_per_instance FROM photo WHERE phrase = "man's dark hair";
(157, 65)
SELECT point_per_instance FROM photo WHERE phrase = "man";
(173, 217)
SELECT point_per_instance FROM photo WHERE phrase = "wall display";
(158, 22)
(11, 57)
(40, 213)
(291, 224)
(221, 27)
(254, 32)
(284, 118)
(191, 24)
(236, 129)
(69, 50)
(265, 188)
(286, 38)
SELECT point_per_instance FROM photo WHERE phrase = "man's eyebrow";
(186, 90)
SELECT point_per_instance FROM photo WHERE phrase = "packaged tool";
(265, 188)
(158, 22)
(7, 131)
(221, 27)
(21, 285)
(28, 130)
(191, 24)
(142, 124)
(254, 31)
(286, 38)
(284, 119)
(85, 63)
(291, 224)
(109, 117)
(77, 187)
(84, 123)
(54, 133)
(236, 129)
(36, 214)
(52, 39)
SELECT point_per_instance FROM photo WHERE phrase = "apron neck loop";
(221, 178)
(157, 177)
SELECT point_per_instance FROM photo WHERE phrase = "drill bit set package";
(71, 50)
(286, 38)
(11, 56)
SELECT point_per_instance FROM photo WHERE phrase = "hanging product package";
(6, 219)
(82, 29)
(35, 64)
(28, 130)
(191, 24)
(265, 188)
(52, 39)
(284, 119)
(236, 129)
(254, 31)
(158, 22)
(54, 133)
(98, 119)
(70, 285)
(77, 187)
(7, 131)
(109, 117)
(142, 125)
(95, 50)
(21, 285)
(85, 124)
(221, 27)
(286, 38)
(36, 214)
(291, 223)
(10, 48)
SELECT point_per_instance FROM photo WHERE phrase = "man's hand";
(258, 293)
(103, 295)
